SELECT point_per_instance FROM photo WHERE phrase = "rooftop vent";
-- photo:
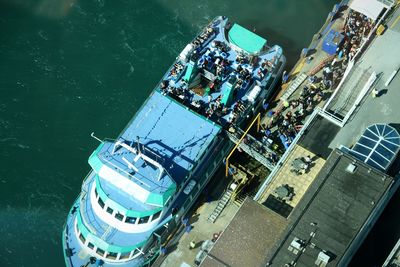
(296, 245)
(322, 259)
(351, 168)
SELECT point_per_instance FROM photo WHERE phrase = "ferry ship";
(143, 183)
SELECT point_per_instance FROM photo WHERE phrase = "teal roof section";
(227, 93)
(161, 199)
(189, 72)
(94, 160)
(245, 39)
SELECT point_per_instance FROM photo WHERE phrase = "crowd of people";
(356, 28)
(288, 119)
(213, 61)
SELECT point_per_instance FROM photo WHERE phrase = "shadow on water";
(290, 48)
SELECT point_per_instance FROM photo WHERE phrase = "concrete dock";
(347, 95)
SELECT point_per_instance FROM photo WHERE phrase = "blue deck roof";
(173, 132)
(167, 134)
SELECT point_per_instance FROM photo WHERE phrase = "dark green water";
(68, 68)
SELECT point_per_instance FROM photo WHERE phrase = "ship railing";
(84, 210)
(129, 175)
(122, 171)
(148, 152)
(258, 146)
(86, 181)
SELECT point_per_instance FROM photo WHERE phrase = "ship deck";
(217, 80)
(176, 129)
(169, 134)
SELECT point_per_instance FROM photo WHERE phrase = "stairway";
(294, 85)
(221, 205)
(241, 197)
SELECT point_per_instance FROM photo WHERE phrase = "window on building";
(157, 215)
(144, 219)
(101, 203)
(131, 220)
(90, 245)
(110, 210)
(95, 192)
(100, 251)
(119, 216)
(112, 255)
(82, 238)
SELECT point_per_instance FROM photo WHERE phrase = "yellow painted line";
(299, 66)
(394, 23)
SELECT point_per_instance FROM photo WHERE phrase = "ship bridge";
(133, 172)
(140, 178)
(139, 173)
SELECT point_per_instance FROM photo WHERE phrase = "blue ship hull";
(145, 181)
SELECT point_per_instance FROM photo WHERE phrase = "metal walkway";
(254, 148)
(294, 85)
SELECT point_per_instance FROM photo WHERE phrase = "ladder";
(294, 85)
(221, 205)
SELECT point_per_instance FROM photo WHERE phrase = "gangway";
(254, 148)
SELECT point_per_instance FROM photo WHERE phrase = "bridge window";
(131, 220)
(112, 255)
(101, 203)
(136, 252)
(124, 255)
(119, 216)
(90, 245)
(157, 215)
(144, 219)
(82, 238)
(100, 251)
(110, 210)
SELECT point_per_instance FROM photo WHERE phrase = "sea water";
(70, 67)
